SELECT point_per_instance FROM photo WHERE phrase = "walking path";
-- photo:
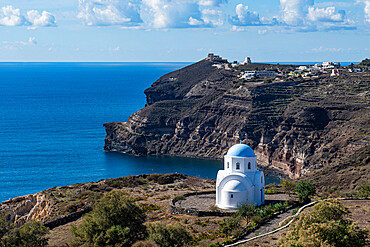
(267, 228)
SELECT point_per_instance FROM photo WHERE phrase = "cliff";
(296, 126)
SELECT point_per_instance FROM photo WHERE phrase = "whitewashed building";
(240, 181)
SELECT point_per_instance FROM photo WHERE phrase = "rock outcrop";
(295, 126)
(25, 208)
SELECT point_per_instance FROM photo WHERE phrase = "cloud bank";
(152, 13)
(295, 15)
(10, 16)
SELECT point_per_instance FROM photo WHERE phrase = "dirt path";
(270, 225)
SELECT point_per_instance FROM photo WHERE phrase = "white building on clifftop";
(240, 181)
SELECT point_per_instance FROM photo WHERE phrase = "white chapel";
(240, 181)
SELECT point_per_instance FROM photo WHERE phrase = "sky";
(184, 30)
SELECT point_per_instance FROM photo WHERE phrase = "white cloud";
(15, 45)
(212, 17)
(326, 49)
(109, 12)
(294, 11)
(173, 14)
(10, 16)
(45, 19)
(32, 40)
(212, 3)
(304, 16)
(151, 13)
(244, 17)
(366, 9)
(114, 49)
(325, 14)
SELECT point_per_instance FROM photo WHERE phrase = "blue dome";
(241, 150)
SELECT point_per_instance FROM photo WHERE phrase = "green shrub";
(200, 223)
(114, 221)
(150, 207)
(266, 211)
(169, 235)
(229, 225)
(270, 191)
(279, 207)
(128, 181)
(304, 190)
(364, 190)
(325, 226)
(179, 198)
(30, 234)
(257, 219)
(246, 210)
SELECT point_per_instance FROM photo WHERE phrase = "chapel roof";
(241, 150)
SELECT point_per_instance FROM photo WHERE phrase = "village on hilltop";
(281, 72)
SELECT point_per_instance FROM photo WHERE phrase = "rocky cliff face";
(295, 126)
(25, 208)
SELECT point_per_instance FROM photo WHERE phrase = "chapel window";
(228, 164)
(237, 166)
(249, 165)
(231, 196)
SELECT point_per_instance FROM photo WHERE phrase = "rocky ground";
(296, 126)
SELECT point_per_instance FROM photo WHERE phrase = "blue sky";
(184, 30)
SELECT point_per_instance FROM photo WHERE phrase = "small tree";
(246, 210)
(304, 190)
(114, 221)
(288, 186)
(174, 235)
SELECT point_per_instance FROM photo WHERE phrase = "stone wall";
(193, 211)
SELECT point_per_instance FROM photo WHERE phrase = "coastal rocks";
(25, 208)
(294, 127)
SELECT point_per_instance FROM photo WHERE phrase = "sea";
(51, 125)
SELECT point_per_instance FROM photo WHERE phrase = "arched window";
(249, 165)
(231, 196)
(261, 180)
(228, 164)
(237, 166)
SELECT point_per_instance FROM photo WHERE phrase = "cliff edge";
(295, 125)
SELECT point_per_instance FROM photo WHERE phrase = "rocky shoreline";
(296, 126)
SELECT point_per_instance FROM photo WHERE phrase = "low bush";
(270, 191)
(325, 225)
(229, 225)
(128, 181)
(114, 221)
(169, 235)
(179, 198)
(29, 235)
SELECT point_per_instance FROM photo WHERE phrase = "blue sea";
(51, 124)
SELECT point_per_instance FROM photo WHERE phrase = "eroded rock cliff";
(295, 126)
